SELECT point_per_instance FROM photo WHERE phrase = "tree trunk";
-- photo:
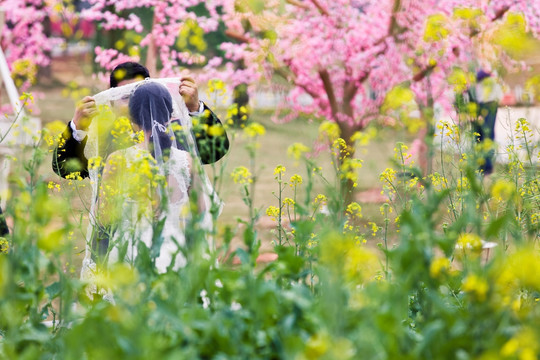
(151, 54)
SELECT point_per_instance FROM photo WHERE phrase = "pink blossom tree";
(350, 56)
(159, 38)
(353, 59)
(25, 36)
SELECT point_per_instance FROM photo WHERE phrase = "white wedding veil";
(159, 110)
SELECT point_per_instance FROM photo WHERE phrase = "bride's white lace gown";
(137, 217)
(135, 227)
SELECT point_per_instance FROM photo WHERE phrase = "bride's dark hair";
(150, 106)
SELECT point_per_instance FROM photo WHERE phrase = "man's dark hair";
(127, 71)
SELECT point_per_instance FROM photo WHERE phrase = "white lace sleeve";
(179, 176)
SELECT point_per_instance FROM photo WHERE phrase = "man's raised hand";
(85, 109)
(189, 92)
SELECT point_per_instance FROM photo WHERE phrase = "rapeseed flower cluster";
(254, 129)
(364, 137)
(439, 266)
(241, 175)
(123, 135)
(297, 150)
(73, 176)
(388, 177)
(340, 149)
(329, 131)
(4, 245)
(216, 86)
(438, 181)
(515, 272)
(320, 200)
(345, 257)
(469, 241)
(354, 210)
(348, 171)
(95, 163)
(476, 286)
(53, 186)
(503, 190)
(137, 180)
(353, 214)
(273, 212)
(295, 180)
(523, 345)
(279, 170)
(23, 70)
(288, 202)
(322, 345)
(52, 134)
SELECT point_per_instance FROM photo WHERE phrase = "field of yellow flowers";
(445, 267)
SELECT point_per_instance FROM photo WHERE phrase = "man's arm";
(210, 135)
(3, 225)
(68, 156)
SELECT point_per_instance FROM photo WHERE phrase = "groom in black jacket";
(69, 158)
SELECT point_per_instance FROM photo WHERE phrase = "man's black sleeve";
(68, 156)
(210, 136)
(3, 225)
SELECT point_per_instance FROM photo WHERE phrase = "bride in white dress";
(146, 194)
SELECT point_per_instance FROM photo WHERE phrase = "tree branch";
(237, 36)
(298, 3)
(321, 9)
(325, 77)
(422, 74)
(395, 29)
(499, 14)
(286, 75)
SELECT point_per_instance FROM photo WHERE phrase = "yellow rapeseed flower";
(241, 175)
(273, 212)
(476, 286)
(469, 241)
(439, 266)
(295, 180)
(364, 137)
(95, 163)
(374, 228)
(515, 272)
(215, 130)
(297, 150)
(388, 175)
(341, 254)
(524, 345)
(4, 245)
(216, 86)
(354, 210)
(288, 201)
(503, 190)
(329, 130)
(254, 129)
(320, 199)
(280, 169)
